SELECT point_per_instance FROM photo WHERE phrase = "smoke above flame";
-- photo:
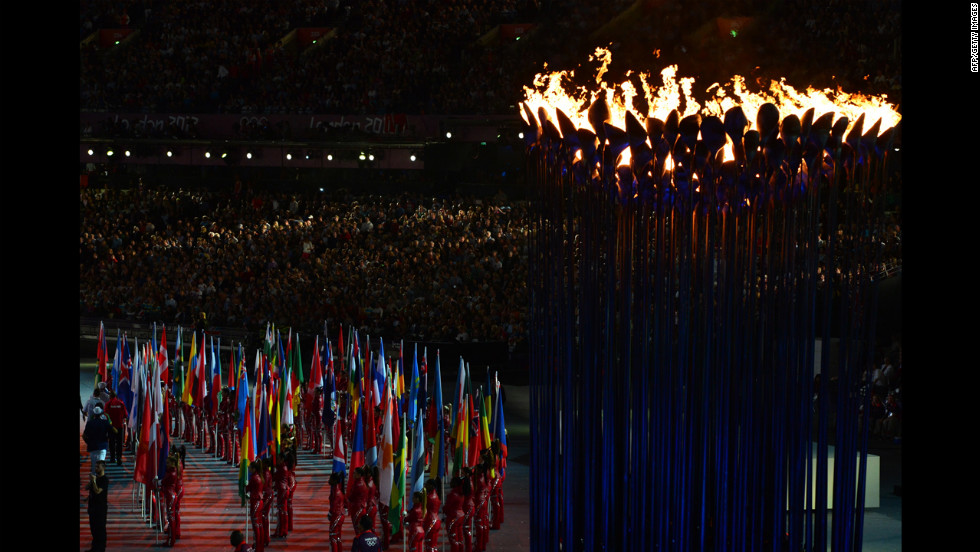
(557, 91)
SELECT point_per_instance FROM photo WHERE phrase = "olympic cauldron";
(689, 268)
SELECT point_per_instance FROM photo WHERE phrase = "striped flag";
(387, 467)
(438, 468)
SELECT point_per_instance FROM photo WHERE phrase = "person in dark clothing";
(366, 540)
(98, 506)
(238, 542)
(96, 435)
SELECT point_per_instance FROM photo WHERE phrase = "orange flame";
(555, 90)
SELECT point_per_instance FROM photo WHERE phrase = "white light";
(126, 153)
(207, 155)
(289, 157)
(449, 135)
(329, 157)
(248, 155)
(170, 153)
(371, 157)
(520, 135)
(90, 152)
(412, 158)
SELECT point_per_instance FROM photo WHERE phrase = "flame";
(555, 90)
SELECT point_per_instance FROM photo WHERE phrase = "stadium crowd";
(402, 266)
(425, 57)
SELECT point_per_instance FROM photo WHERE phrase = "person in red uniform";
(316, 417)
(117, 412)
(431, 523)
(366, 540)
(372, 478)
(239, 543)
(335, 516)
(179, 459)
(357, 496)
(268, 496)
(169, 489)
(222, 425)
(290, 486)
(280, 481)
(481, 492)
(469, 509)
(254, 489)
(414, 520)
(453, 510)
(306, 404)
(497, 486)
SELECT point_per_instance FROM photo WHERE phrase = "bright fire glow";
(555, 90)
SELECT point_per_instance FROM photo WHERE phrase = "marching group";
(473, 505)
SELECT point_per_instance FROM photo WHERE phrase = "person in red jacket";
(497, 486)
(335, 516)
(254, 489)
(431, 522)
(280, 482)
(291, 486)
(357, 496)
(453, 510)
(171, 487)
(469, 509)
(116, 410)
(372, 478)
(316, 416)
(268, 497)
(414, 520)
(481, 515)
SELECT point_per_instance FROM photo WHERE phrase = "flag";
(162, 359)
(484, 426)
(316, 370)
(242, 401)
(232, 368)
(386, 460)
(101, 355)
(378, 374)
(413, 393)
(499, 432)
(161, 412)
(215, 378)
(178, 375)
(370, 427)
(143, 447)
(339, 451)
(398, 491)
(245, 423)
(462, 433)
(438, 468)
(188, 396)
(201, 378)
(116, 361)
(329, 392)
(125, 392)
(357, 451)
(418, 458)
(296, 377)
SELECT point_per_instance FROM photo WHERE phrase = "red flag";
(162, 359)
(316, 373)
(143, 450)
(102, 354)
